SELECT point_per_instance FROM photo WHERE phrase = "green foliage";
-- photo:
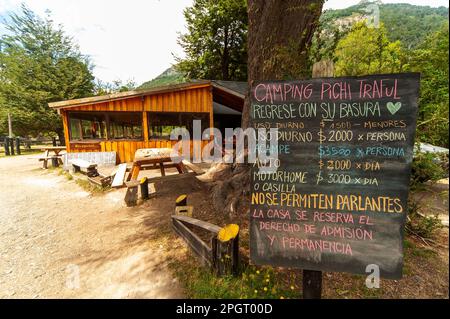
(407, 23)
(39, 64)
(410, 24)
(215, 44)
(102, 88)
(431, 60)
(252, 283)
(424, 168)
(367, 50)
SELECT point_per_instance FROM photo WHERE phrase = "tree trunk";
(61, 137)
(225, 57)
(279, 38)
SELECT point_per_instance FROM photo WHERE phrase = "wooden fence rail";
(11, 145)
(221, 254)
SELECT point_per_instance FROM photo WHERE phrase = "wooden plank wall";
(194, 99)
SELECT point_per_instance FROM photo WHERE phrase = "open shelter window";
(87, 125)
(161, 124)
(125, 125)
(105, 125)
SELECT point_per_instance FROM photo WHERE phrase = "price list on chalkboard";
(335, 198)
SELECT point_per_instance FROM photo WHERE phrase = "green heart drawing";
(393, 108)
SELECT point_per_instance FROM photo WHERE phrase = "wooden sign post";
(337, 197)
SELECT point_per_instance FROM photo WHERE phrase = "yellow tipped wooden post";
(226, 250)
(181, 200)
(184, 211)
(131, 195)
(144, 188)
(228, 232)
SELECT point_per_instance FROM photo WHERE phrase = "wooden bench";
(100, 180)
(103, 179)
(56, 159)
(80, 165)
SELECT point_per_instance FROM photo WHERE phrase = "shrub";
(425, 167)
(423, 226)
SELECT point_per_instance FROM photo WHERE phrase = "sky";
(132, 39)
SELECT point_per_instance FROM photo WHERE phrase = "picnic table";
(154, 158)
(51, 153)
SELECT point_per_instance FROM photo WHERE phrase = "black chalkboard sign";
(337, 200)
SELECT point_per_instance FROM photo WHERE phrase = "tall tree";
(215, 44)
(103, 88)
(39, 64)
(279, 40)
(367, 50)
(431, 60)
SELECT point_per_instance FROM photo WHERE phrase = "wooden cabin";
(127, 121)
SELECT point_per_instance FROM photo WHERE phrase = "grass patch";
(66, 174)
(372, 293)
(256, 282)
(252, 282)
(22, 153)
(90, 187)
(413, 250)
(80, 180)
(34, 150)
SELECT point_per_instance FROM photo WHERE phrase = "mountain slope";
(169, 76)
(405, 22)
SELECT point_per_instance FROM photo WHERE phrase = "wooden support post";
(75, 169)
(18, 145)
(214, 255)
(55, 162)
(131, 196)
(184, 211)
(11, 145)
(312, 284)
(161, 167)
(54, 141)
(235, 255)
(226, 257)
(6, 144)
(144, 188)
(134, 172)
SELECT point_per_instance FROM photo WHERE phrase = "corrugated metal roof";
(236, 88)
(128, 94)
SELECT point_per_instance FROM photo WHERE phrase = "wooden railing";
(221, 254)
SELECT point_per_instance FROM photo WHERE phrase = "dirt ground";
(59, 241)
